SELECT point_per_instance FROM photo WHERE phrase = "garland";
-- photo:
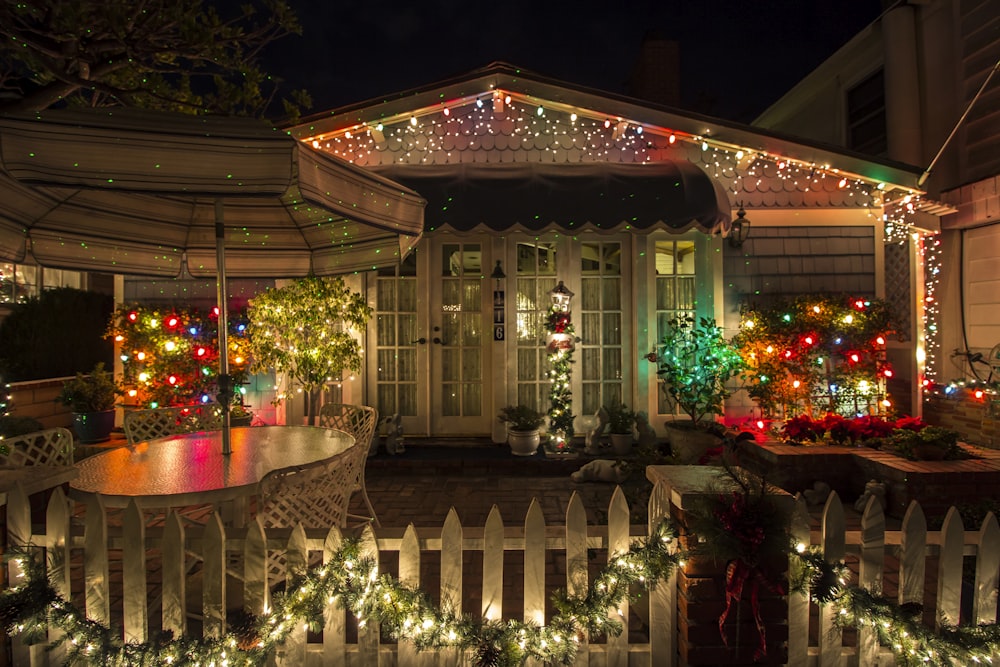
(562, 339)
(352, 582)
(896, 626)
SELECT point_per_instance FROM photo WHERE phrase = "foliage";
(621, 420)
(56, 334)
(177, 55)
(521, 418)
(908, 437)
(353, 582)
(930, 443)
(170, 354)
(13, 425)
(94, 392)
(817, 354)
(307, 330)
(694, 362)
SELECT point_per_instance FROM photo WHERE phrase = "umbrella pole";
(225, 395)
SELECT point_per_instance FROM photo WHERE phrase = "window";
(396, 351)
(675, 292)
(536, 276)
(19, 282)
(866, 125)
(600, 327)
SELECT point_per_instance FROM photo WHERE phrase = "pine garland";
(896, 626)
(353, 583)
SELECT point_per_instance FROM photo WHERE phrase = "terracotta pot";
(523, 443)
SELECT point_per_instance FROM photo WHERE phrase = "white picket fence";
(169, 549)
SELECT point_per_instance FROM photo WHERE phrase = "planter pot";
(929, 452)
(523, 443)
(240, 421)
(689, 445)
(93, 427)
(621, 443)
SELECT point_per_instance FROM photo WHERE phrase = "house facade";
(531, 182)
(921, 85)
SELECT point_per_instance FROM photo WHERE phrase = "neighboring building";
(920, 85)
(627, 202)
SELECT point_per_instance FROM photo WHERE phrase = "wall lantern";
(498, 274)
(740, 229)
(561, 297)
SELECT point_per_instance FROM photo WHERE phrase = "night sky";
(737, 56)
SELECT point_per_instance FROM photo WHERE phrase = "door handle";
(438, 341)
(420, 340)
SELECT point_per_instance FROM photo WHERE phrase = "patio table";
(189, 469)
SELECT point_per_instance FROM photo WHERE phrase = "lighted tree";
(306, 330)
(170, 354)
(694, 363)
(179, 55)
(817, 355)
(560, 358)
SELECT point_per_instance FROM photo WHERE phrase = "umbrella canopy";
(134, 192)
(138, 192)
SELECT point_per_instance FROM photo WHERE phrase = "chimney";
(656, 74)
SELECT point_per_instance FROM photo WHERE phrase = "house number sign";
(498, 309)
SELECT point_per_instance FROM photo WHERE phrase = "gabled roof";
(533, 88)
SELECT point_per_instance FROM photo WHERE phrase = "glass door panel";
(458, 344)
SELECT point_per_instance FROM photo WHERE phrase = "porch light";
(740, 229)
(561, 297)
(498, 274)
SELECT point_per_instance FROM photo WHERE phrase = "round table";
(190, 469)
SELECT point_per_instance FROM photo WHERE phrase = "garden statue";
(393, 425)
(817, 495)
(600, 470)
(593, 437)
(872, 488)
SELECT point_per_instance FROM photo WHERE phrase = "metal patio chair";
(361, 422)
(142, 425)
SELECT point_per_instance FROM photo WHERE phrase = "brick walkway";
(423, 484)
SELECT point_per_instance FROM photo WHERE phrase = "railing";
(157, 567)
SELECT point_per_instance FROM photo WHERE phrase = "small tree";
(305, 331)
(694, 362)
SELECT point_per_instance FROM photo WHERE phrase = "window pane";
(386, 329)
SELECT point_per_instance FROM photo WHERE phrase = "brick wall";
(976, 420)
(37, 399)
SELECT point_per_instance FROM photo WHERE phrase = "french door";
(429, 350)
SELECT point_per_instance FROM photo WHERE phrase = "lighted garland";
(562, 337)
(352, 582)
(896, 626)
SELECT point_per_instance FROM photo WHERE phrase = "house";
(642, 211)
(921, 86)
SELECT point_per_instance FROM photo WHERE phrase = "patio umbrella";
(149, 193)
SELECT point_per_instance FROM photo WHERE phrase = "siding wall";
(778, 263)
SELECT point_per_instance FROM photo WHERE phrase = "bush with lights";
(170, 354)
(817, 355)
(307, 331)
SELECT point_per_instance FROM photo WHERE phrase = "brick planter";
(936, 485)
(701, 589)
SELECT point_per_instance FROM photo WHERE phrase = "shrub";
(58, 333)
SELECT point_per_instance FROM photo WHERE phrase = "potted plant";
(621, 421)
(694, 362)
(239, 413)
(91, 399)
(523, 424)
